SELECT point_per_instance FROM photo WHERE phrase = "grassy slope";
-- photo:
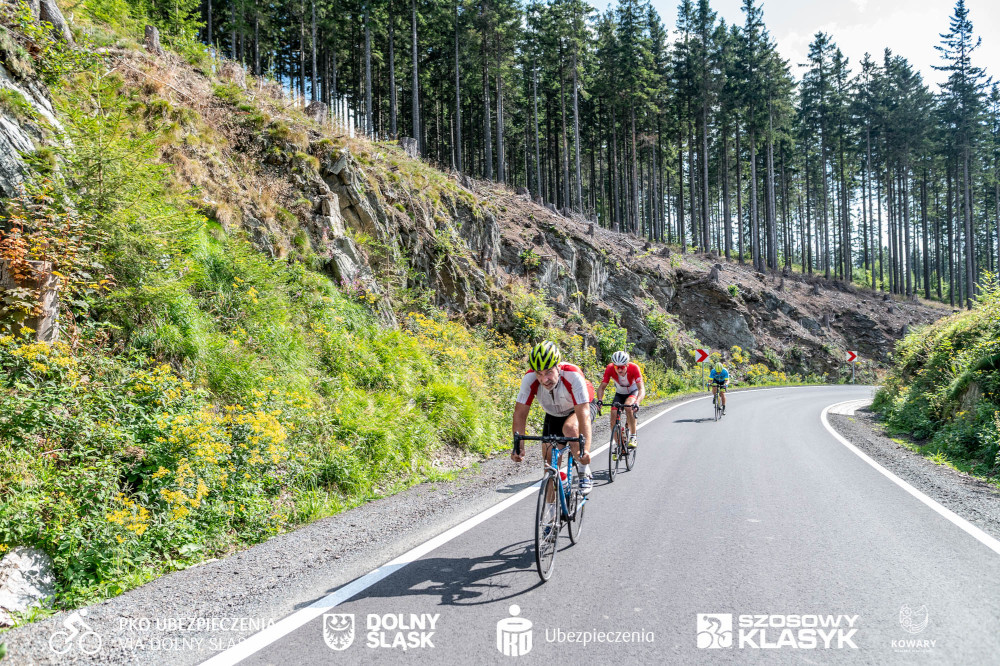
(945, 388)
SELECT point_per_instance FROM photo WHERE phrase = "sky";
(911, 28)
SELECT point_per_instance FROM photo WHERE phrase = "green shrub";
(610, 338)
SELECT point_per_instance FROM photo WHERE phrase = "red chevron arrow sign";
(852, 356)
(700, 355)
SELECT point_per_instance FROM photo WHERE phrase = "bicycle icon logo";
(87, 640)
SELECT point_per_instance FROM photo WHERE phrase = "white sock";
(586, 470)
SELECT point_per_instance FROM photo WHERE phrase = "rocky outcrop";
(21, 127)
(26, 579)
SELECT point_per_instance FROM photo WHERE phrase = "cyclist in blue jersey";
(720, 379)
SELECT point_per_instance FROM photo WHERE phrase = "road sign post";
(700, 356)
(852, 358)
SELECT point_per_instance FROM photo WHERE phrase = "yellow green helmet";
(544, 356)
(718, 366)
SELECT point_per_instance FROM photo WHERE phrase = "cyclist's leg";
(553, 425)
(571, 428)
(722, 391)
(630, 414)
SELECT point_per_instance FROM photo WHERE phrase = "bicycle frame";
(564, 488)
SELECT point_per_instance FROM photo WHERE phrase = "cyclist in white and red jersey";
(568, 400)
(629, 389)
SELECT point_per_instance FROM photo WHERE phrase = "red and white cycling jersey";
(572, 389)
(626, 382)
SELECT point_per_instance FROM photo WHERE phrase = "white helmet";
(619, 358)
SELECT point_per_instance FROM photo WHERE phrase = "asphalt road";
(762, 519)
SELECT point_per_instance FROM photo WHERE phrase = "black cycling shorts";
(553, 425)
(620, 399)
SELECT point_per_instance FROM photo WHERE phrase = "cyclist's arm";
(642, 390)
(600, 391)
(583, 417)
(520, 424)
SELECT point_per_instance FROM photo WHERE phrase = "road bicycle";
(618, 449)
(717, 399)
(560, 502)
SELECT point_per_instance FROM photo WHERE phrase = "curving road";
(763, 518)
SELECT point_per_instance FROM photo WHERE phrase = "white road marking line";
(301, 617)
(848, 408)
(941, 510)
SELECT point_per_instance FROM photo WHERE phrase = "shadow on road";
(704, 420)
(465, 581)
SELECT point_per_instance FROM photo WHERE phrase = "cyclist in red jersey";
(568, 400)
(629, 389)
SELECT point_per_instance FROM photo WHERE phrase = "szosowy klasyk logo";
(715, 630)
(514, 634)
(809, 632)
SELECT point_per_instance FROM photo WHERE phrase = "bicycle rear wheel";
(614, 452)
(547, 517)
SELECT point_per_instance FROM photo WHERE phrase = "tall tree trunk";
(739, 195)
(415, 95)
(393, 123)
(905, 193)
(563, 139)
(754, 224)
(705, 241)
(576, 135)
(501, 167)
(369, 124)
(302, 56)
(681, 231)
(970, 247)
(772, 218)
(208, 29)
(458, 101)
(487, 131)
(807, 261)
(696, 234)
(256, 41)
(232, 29)
(312, 93)
(923, 221)
(726, 216)
(615, 169)
(534, 99)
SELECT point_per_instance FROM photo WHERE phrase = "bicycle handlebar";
(548, 439)
(634, 408)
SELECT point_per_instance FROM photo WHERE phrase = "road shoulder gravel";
(971, 498)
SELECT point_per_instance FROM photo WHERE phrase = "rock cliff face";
(474, 246)
(589, 274)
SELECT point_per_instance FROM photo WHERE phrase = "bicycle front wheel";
(718, 408)
(630, 457)
(614, 452)
(547, 519)
(576, 506)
